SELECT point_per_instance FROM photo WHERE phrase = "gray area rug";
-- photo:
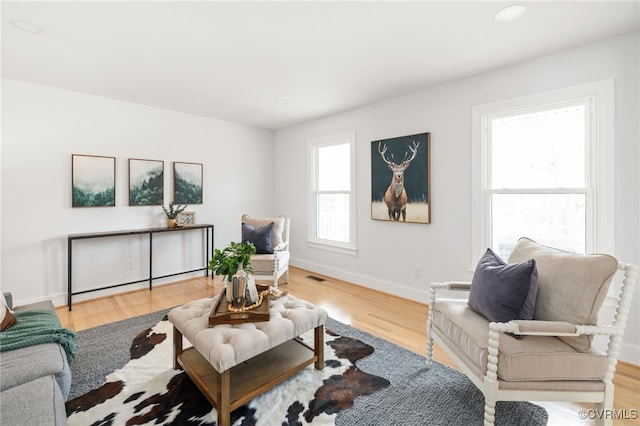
(104, 349)
(417, 395)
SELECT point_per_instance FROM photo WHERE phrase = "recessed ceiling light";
(25, 26)
(510, 13)
(281, 101)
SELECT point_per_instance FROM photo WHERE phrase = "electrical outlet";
(129, 265)
(417, 272)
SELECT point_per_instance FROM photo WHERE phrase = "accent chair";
(549, 357)
(271, 237)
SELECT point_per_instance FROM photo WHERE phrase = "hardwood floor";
(400, 321)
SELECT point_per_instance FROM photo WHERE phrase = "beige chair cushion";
(571, 287)
(263, 263)
(277, 235)
(534, 358)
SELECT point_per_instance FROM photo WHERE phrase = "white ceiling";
(231, 60)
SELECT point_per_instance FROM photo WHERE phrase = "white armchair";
(555, 361)
(272, 263)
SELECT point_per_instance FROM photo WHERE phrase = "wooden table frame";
(234, 387)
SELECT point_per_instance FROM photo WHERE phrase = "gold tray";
(220, 314)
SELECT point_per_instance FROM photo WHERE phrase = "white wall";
(388, 252)
(43, 126)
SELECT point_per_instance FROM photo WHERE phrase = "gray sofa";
(35, 381)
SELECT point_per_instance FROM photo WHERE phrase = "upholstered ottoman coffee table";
(232, 364)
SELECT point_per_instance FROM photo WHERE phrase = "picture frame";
(187, 183)
(93, 181)
(187, 218)
(146, 182)
(400, 179)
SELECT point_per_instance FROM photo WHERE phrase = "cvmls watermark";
(608, 414)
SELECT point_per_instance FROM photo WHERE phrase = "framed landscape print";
(93, 181)
(400, 181)
(146, 182)
(187, 183)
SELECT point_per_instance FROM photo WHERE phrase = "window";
(543, 168)
(332, 199)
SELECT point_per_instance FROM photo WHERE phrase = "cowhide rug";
(148, 391)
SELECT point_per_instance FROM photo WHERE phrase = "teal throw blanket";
(35, 327)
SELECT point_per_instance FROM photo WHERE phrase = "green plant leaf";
(225, 262)
(173, 210)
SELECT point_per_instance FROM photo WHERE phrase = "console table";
(148, 231)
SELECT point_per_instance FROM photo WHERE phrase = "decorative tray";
(220, 314)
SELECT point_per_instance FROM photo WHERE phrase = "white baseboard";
(392, 288)
(57, 300)
(60, 299)
(629, 354)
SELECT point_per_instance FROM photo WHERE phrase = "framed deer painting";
(400, 179)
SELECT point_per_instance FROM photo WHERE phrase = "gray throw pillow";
(260, 237)
(279, 224)
(503, 292)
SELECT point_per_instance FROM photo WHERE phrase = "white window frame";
(600, 207)
(349, 247)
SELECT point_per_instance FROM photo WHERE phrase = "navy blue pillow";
(503, 292)
(260, 237)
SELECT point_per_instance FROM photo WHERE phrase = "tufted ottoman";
(232, 364)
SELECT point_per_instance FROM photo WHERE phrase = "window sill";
(351, 251)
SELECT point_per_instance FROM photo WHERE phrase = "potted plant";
(234, 263)
(172, 213)
(225, 262)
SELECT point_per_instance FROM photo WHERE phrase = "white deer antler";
(414, 152)
(382, 149)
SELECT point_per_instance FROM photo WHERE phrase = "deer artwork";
(396, 196)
